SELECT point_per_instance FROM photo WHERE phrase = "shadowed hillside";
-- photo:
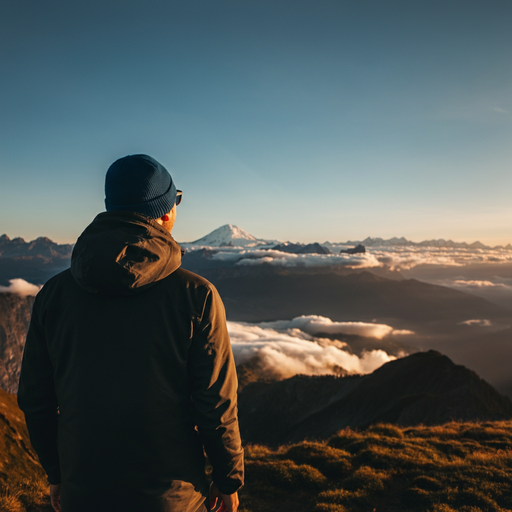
(423, 388)
(262, 294)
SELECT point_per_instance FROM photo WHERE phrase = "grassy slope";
(455, 467)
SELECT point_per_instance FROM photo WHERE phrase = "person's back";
(134, 352)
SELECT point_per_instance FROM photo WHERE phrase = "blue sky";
(297, 120)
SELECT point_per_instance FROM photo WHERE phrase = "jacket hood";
(121, 253)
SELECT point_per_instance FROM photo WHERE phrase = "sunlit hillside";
(22, 480)
(463, 467)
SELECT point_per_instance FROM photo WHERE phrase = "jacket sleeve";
(37, 399)
(214, 395)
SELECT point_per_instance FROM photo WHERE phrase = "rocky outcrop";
(14, 320)
(314, 248)
(423, 388)
(358, 249)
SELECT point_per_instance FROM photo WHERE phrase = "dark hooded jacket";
(128, 373)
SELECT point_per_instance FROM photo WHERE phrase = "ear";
(165, 217)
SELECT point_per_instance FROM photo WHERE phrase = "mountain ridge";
(35, 261)
(423, 388)
(41, 246)
(264, 294)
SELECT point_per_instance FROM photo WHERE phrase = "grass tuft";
(25, 495)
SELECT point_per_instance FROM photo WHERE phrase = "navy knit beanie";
(138, 183)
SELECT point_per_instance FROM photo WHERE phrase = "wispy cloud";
(478, 322)
(21, 287)
(501, 110)
(315, 324)
(478, 284)
(286, 349)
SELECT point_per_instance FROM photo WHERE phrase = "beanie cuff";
(154, 208)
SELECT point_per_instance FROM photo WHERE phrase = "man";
(128, 371)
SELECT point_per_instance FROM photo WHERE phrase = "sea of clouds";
(395, 258)
(288, 347)
(315, 324)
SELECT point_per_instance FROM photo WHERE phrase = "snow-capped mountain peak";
(228, 235)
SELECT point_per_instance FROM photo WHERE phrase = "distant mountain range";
(35, 261)
(402, 242)
(424, 388)
(230, 235)
(38, 260)
(41, 247)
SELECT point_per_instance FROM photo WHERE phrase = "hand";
(55, 496)
(228, 502)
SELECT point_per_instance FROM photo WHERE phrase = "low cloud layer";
(409, 257)
(286, 350)
(251, 257)
(314, 324)
(395, 258)
(21, 287)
